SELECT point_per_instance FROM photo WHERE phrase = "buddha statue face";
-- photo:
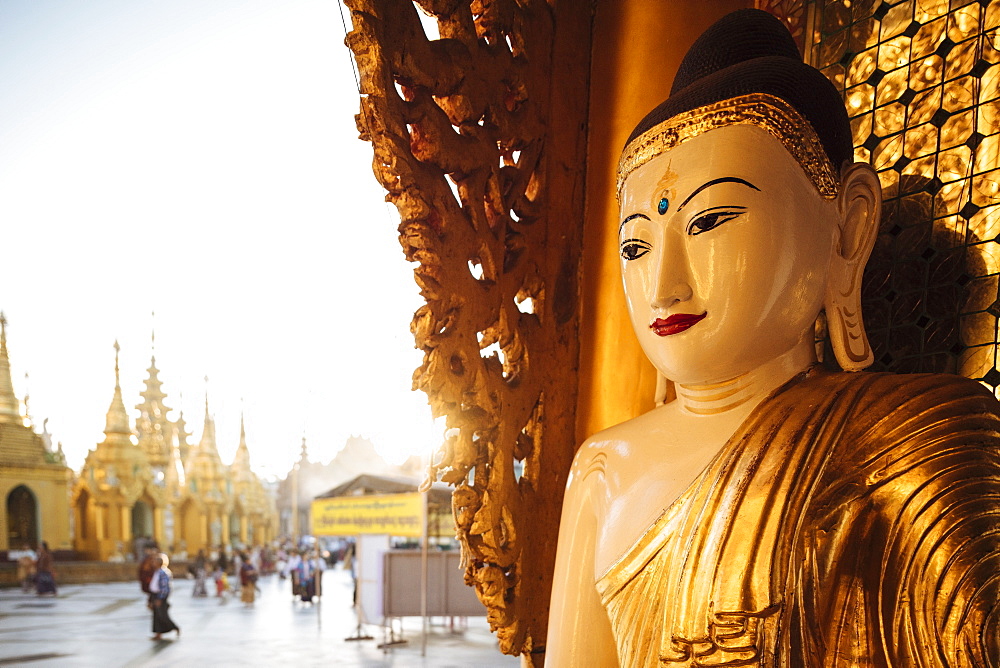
(726, 252)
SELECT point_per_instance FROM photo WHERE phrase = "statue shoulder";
(622, 440)
(895, 429)
(932, 396)
(926, 381)
(591, 458)
(897, 396)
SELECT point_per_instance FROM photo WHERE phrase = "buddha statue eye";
(633, 249)
(712, 218)
(662, 207)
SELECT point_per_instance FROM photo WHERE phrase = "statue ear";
(859, 206)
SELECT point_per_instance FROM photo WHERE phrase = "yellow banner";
(393, 514)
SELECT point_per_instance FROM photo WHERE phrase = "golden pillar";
(243, 529)
(126, 524)
(158, 525)
(203, 530)
(100, 526)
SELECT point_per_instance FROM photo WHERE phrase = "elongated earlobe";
(848, 337)
(859, 205)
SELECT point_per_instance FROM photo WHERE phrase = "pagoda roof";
(369, 483)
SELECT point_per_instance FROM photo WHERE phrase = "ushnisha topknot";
(746, 69)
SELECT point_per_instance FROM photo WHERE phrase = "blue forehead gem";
(661, 208)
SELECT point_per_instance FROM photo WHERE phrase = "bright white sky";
(199, 159)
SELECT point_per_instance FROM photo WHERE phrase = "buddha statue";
(774, 513)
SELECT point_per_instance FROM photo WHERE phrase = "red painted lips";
(676, 323)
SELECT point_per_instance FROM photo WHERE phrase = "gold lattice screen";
(921, 80)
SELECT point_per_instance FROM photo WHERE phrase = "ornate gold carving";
(761, 110)
(463, 145)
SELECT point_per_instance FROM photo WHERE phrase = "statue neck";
(742, 393)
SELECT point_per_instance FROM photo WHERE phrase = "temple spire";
(116, 424)
(241, 461)
(9, 413)
(243, 434)
(207, 445)
(180, 431)
(153, 394)
(27, 398)
(153, 426)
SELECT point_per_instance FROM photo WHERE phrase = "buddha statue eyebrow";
(724, 179)
(633, 216)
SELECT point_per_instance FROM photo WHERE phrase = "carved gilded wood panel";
(481, 150)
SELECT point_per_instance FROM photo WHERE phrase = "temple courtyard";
(108, 625)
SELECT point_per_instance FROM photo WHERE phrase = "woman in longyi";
(774, 513)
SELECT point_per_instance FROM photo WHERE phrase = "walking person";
(351, 566)
(318, 566)
(221, 580)
(221, 584)
(25, 558)
(45, 580)
(200, 574)
(159, 588)
(147, 568)
(307, 570)
(248, 582)
(294, 561)
(238, 559)
(282, 564)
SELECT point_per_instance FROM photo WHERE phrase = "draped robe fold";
(852, 520)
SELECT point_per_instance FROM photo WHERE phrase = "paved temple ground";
(107, 625)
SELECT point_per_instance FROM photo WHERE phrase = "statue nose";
(668, 294)
(671, 284)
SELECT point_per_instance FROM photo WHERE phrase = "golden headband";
(761, 110)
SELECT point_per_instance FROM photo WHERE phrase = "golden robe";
(852, 520)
